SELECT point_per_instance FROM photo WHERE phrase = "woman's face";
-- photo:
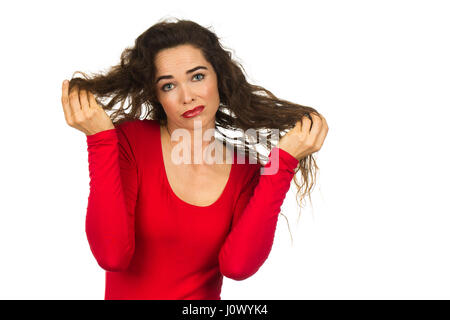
(182, 91)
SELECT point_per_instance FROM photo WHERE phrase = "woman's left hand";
(300, 141)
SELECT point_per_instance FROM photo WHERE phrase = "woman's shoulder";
(247, 168)
(154, 124)
(136, 128)
(138, 124)
(140, 134)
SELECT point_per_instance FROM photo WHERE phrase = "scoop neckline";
(177, 198)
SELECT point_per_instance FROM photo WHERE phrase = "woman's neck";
(192, 139)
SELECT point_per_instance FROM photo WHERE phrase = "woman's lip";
(193, 112)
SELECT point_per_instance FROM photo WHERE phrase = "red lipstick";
(193, 112)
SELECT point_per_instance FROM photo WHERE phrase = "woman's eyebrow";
(187, 72)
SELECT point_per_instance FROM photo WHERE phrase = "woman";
(168, 230)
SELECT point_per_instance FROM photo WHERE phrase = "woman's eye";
(198, 74)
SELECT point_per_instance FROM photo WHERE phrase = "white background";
(379, 71)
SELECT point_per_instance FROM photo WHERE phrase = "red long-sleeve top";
(154, 245)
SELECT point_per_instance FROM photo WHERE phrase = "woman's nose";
(187, 93)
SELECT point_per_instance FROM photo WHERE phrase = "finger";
(65, 100)
(306, 125)
(323, 133)
(92, 102)
(74, 99)
(297, 128)
(316, 126)
(84, 100)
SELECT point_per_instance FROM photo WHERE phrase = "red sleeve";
(250, 240)
(112, 198)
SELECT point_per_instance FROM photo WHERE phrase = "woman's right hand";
(304, 139)
(82, 111)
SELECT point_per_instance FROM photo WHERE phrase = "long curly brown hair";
(242, 106)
